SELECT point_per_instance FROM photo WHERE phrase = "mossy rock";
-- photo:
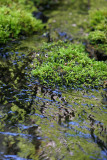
(68, 64)
(17, 21)
(98, 29)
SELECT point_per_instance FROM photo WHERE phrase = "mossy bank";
(69, 65)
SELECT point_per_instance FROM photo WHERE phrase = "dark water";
(46, 123)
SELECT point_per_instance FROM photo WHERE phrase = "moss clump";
(97, 17)
(98, 29)
(69, 65)
(97, 36)
(16, 21)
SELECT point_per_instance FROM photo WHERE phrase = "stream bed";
(47, 123)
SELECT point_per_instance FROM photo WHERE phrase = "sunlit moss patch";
(16, 19)
(98, 29)
(68, 65)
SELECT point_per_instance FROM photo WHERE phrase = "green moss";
(18, 4)
(98, 29)
(97, 17)
(45, 2)
(15, 22)
(68, 65)
(97, 37)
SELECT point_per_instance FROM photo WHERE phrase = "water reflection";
(37, 122)
(18, 133)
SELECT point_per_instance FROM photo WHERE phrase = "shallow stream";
(45, 123)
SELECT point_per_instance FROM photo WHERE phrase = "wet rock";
(41, 16)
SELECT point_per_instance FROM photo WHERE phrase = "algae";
(72, 17)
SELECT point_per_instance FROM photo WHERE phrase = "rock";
(41, 16)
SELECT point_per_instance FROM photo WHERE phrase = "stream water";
(45, 123)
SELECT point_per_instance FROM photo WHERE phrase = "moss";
(97, 37)
(15, 22)
(97, 17)
(18, 4)
(69, 65)
(98, 29)
(45, 2)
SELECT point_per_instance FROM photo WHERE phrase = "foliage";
(16, 22)
(68, 65)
